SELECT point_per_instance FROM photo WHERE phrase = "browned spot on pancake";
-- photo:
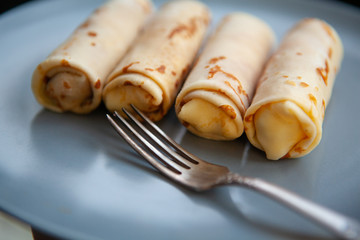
(304, 84)
(330, 52)
(188, 29)
(299, 77)
(243, 92)
(149, 69)
(213, 71)
(240, 91)
(216, 59)
(65, 63)
(299, 53)
(328, 30)
(66, 85)
(128, 83)
(230, 86)
(93, 44)
(126, 68)
(97, 84)
(249, 118)
(216, 69)
(323, 106)
(177, 83)
(177, 30)
(289, 82)
(312, 98)
(324, 72)
(85, 24)
(161, 69)
(285, 76)
(299, 149)
(228, 110)
(92, 34)
(173, 73)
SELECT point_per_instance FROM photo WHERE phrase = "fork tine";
(173, 154)
(167, 167)
(190, 157)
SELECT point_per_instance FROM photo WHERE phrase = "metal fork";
(183, 167)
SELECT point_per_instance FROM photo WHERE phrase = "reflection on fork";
(173, 161)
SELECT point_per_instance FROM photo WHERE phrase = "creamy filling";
(69, 90)
(135, 89)
(280, 127)
(211, 120)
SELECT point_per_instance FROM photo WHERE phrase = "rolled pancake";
(219, 88)
(286, 115)
(73, 75)
(151, 73)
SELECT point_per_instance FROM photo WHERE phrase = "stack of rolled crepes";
(286, 115)
(215, 96)
(73, 76)
(151, 73)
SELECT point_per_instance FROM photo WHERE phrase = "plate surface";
(73, 177)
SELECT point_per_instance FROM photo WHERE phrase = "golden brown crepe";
(219, 89)
(151, 73)
(73, 75)
(286, 115)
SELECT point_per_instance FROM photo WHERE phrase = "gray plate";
(73, 177)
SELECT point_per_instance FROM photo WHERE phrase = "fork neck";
(234, 178)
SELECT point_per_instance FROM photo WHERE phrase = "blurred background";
(6, 5)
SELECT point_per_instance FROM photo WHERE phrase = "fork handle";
(344, 227)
